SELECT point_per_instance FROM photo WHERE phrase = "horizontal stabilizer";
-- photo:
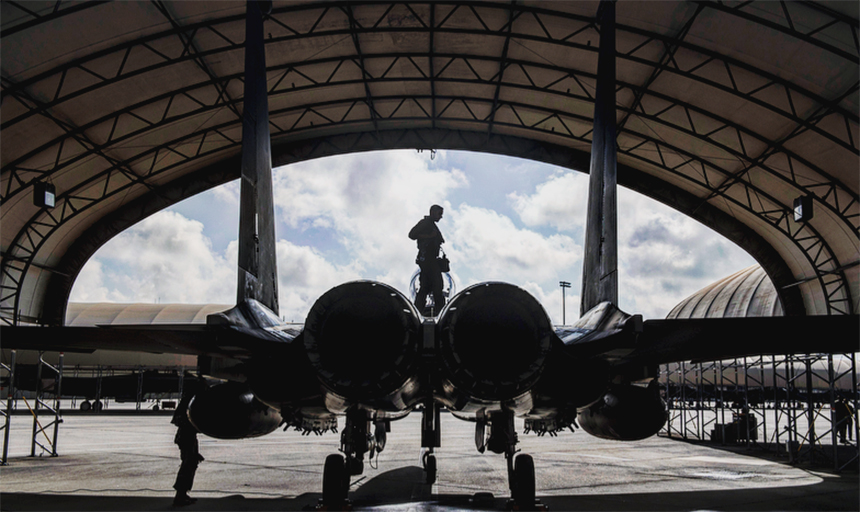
(712, 339)
(195, 339)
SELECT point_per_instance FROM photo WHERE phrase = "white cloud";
(228, 193)
(303, 275)
(495, 249)
(370, 200)
(364, 205)
(665, 256)
(90, 285)
(164, 258)
(561, 202)
(552, 302)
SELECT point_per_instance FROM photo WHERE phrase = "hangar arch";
(726, 113)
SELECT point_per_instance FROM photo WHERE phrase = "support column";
(40, 404)
(811, 438)
(10, 396)
(855, 402)
(139, 394)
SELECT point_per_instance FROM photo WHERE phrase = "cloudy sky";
(347, 217)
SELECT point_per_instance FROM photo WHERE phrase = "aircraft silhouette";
(489, 356)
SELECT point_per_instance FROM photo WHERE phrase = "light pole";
(564, 285)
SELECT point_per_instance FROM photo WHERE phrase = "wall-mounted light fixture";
(802, 209)
(44, 195)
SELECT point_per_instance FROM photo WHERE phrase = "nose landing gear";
(428, 462)
(430, 438)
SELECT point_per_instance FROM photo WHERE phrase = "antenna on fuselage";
(600, 263)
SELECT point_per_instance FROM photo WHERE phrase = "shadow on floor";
(403, 490)
(821, 458)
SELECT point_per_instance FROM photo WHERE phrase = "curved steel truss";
(121, 119)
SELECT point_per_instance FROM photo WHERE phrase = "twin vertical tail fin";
(600, 262)
(258, 277)
(258, 273)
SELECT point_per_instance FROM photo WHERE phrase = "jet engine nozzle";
(362, 338)
(494, 339)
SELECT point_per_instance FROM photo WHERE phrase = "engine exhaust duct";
(362, 339)
(494, 339)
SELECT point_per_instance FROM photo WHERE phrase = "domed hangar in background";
(740, 115)
(747, 292)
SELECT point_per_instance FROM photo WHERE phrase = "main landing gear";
(521, 468)
(335, 483)
(430, 438)
(355, 441)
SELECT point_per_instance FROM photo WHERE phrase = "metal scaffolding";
(45, 407)
(803, 407)
(41, 404)
(9, 370)
(40, 409)
(97, 397)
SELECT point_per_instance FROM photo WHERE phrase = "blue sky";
(346, 217)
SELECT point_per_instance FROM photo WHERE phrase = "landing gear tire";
(335, 480)
(524, 481)
(86, 406)
(430, 468)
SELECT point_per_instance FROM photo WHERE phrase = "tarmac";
(129, 462)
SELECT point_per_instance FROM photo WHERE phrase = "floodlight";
(44, 195)
(803, 209)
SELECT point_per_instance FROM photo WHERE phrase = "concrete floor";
(113, 462)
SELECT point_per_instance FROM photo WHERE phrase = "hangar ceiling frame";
(347, 77)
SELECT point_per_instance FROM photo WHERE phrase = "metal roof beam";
(508, 28)
(668, 55)
(69, 209)
(73, 133)
(38, 19)
(432, 76)
(466, 58)
(790, 30)
(850, 116)
(192, 50)
(365, 75)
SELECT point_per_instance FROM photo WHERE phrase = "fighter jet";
(491, 355)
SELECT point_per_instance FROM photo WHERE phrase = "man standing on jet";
(429, 239)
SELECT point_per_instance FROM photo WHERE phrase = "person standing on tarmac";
(844, 416)
(186, 439)
(429, 239)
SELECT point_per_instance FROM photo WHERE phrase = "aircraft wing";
(711, 339)
(195, 339)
